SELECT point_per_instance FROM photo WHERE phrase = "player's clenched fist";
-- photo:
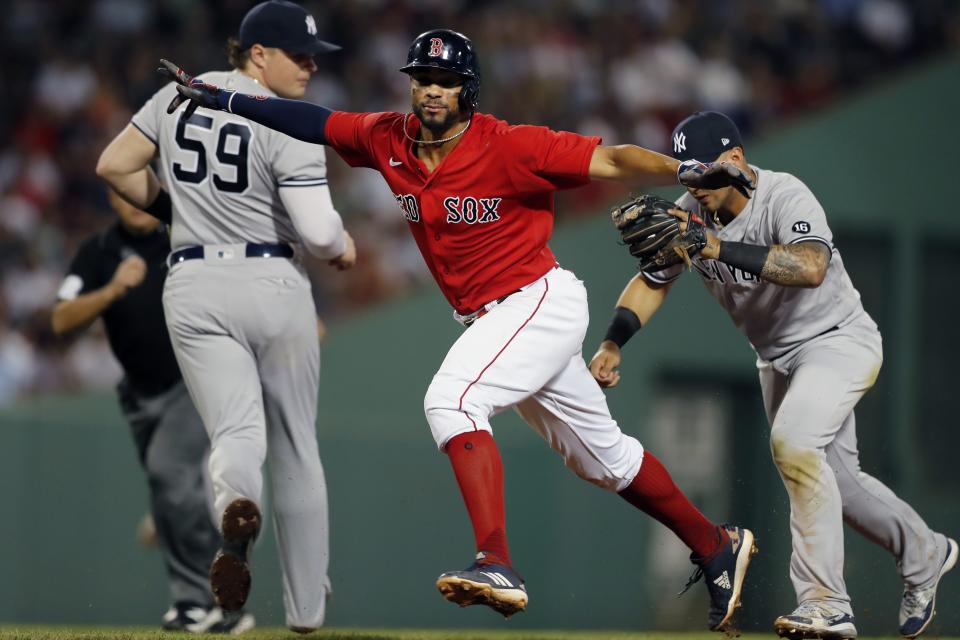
(349, 256)
(604, 364)
(129, 274)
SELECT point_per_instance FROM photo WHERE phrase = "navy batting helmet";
(450, 51)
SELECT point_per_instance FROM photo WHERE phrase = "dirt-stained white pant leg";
(221, 375)
(289, 357)
(809, 396)
(877, 513)
(529, 343)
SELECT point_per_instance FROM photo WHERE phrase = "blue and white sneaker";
(724, 574)
(185, 616)
(231, 623)
(917, 607)
(816, 620)
(230, 571)
(495, 585)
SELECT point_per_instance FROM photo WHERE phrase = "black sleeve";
(87, 267)
(298, 119)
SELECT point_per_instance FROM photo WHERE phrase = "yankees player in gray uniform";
(771, 263)
(237, 299)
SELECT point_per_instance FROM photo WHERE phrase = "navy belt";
(252, 250)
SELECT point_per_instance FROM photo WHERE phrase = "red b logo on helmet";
(436, 47)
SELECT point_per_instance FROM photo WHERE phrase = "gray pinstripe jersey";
(223, 171)
(774, 318)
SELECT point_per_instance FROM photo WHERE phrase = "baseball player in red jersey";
(478, 195)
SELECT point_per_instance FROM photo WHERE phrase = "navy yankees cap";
(705, 135)
(284, 25)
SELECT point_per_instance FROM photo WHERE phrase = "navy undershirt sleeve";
(298, 119)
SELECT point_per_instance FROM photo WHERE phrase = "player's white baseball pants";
(809, 395)
(526, 353)
(244, 332)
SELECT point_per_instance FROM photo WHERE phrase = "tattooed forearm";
(797, 265)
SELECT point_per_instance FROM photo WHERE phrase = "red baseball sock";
(479, 470)
(654, 492)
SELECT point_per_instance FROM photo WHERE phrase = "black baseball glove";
(653, 234)
(714, 175)
(189, 88)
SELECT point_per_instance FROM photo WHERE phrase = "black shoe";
(495, 585)
(230, 622)
(724, 573)
(230, 571)
(185, 616)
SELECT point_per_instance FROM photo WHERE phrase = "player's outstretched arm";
(639, 167)
(298, 119)
(637, 304)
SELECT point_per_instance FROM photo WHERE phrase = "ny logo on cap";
(725, 141)
(436, 47)
(679, 142)
(311, 26)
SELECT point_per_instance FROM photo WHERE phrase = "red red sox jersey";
(482, 219)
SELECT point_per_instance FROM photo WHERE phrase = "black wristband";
(624, 324)
(749, 257)
(161, 208)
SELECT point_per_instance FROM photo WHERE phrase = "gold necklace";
(441, 141)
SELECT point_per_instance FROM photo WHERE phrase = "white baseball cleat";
(918, 605)
(816, 620)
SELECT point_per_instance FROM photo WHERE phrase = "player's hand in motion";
(348, 258)
(714, 175)
(604, 365)
(129, 274)
(189, 88)
(712, 248)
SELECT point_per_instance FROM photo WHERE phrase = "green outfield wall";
(71, 491)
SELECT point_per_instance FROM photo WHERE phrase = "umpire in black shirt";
(118, 274)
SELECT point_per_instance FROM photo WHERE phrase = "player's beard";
(437, 126)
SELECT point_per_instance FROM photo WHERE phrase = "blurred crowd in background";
(75, 70)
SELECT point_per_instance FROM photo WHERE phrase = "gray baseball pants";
(245, 334)
(173, 447)
(809, 395)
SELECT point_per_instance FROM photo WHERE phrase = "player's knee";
(797, 461)
(175, 488)
(601, 477)
(611, 467)
(445, 424)
(786, 442)
(442, 394)
(165, 472)
(445, 414)
(610, 477)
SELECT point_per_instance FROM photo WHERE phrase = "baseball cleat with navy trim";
(918, 605)
(230, 571)
(185, 616)
(495, 585)
(724, 574)
(816, 620)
